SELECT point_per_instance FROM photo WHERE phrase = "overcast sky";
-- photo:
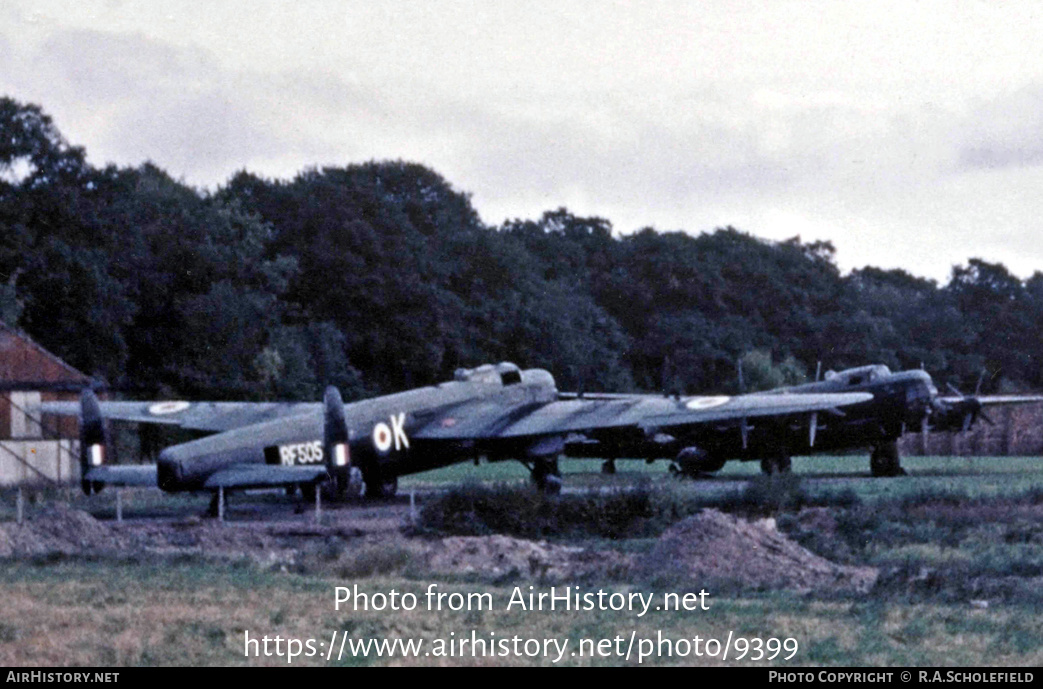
(910, 134)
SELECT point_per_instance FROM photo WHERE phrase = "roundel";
(160, 408)
(382, 437)
(706, 402)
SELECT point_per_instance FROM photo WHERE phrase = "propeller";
(93, 440)
(335, 445)
(971, 406)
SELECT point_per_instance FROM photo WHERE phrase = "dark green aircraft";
(906, 400)
(497, 412)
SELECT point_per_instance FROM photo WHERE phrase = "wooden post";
(412, 505)
(119, 506)
(318, 504)
(221, 504)
(20, 506)
(1008, 446)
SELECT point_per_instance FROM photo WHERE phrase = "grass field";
(973, 476)
(959, 543)
(192, 614)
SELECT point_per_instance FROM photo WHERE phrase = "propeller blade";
(968, 419)
(744, 429)
(954, 390)
(93, 439)
(981, 378)
(813, 427)
(335, 438)
(986, 418)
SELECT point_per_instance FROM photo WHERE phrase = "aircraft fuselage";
(381, 429)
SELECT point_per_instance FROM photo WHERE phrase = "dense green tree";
(380, 276)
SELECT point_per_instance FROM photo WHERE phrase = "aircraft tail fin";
(93, 440)
(335, 446)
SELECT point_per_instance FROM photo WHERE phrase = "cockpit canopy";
(504, 373)
(860, 375)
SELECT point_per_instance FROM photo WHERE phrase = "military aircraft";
(494, 411)
(900, 401)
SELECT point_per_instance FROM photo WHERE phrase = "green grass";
(137, 502)
(971, 476)
(955, 532)
(821, 475)
(635, 510)
(141, 613)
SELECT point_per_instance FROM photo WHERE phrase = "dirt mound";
(709, 546)
(503, 555)
(716, 546)
(60, 529)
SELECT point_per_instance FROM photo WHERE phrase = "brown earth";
(500, 555)
(707, 546)
(716, 546)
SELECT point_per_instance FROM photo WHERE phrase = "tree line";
(381, 276)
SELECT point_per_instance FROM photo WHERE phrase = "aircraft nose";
(920, 395)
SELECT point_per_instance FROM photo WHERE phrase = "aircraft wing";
(995, 400)
(197, 416)
(487, 420)
(126, 475)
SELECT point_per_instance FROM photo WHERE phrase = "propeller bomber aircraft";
(494, 411)
(896, 402)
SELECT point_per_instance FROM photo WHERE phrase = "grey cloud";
(1005, 132)
(144, 99)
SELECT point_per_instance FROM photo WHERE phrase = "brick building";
(35, 450)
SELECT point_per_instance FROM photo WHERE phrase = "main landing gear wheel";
(608, 466)
(776, 465)
(547, 476)
(353, 485)
(382, 487)
(885, 460)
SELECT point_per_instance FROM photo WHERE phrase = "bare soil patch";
(712, 545)
(708, 546)
(502, 555)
